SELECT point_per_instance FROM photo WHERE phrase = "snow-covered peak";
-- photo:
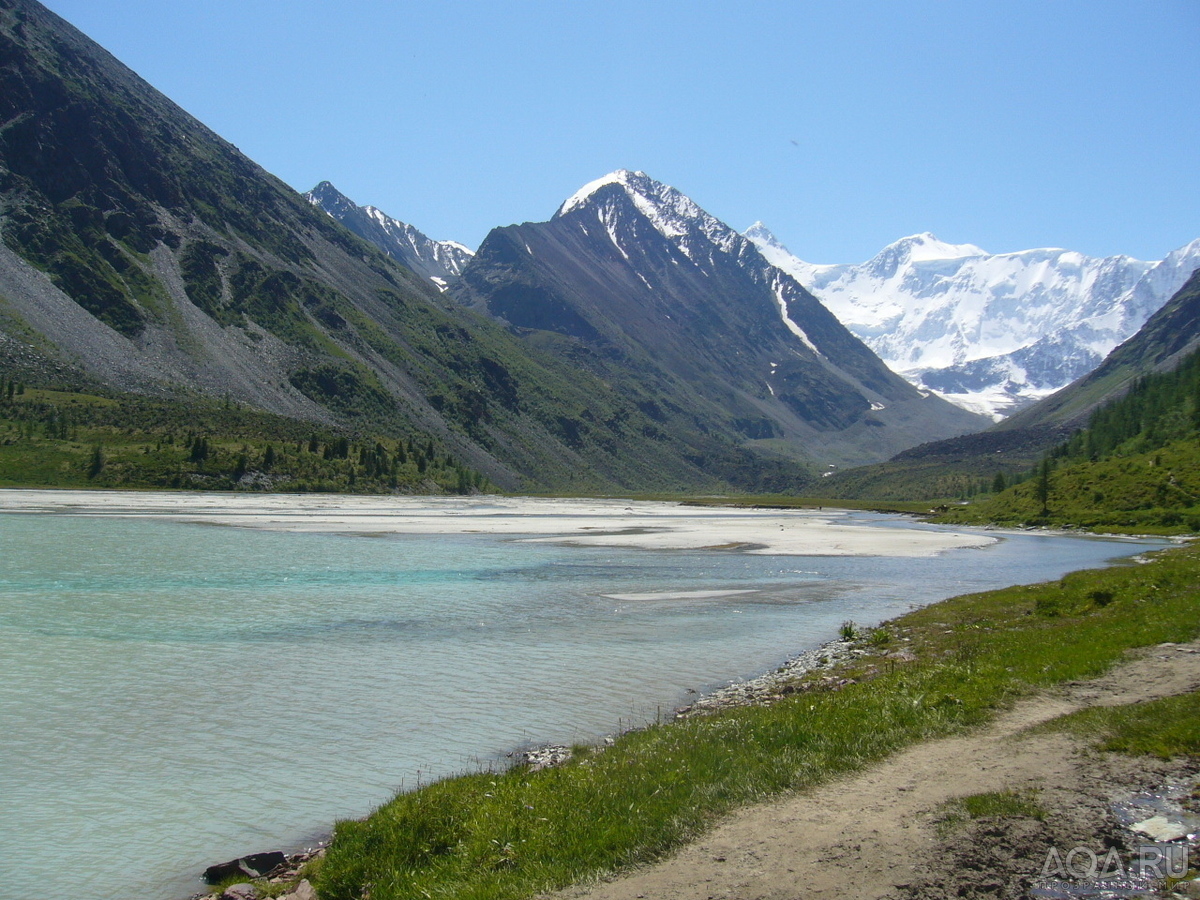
(673, 214)
(780, 257)
(580, 197)
(762, 236)
(926, 246)
(325, 196)
(915, 249)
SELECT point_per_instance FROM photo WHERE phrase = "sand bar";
(588, 523)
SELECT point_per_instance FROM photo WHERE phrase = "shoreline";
(767, 687)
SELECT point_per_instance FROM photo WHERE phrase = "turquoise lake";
(174, 694)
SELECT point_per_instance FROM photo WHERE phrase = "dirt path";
(874, 835)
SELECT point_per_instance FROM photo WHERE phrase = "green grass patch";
(1003, 803)
(512, 834)
(991, 804)
(1166, 728)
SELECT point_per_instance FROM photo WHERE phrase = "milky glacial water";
(172, 695)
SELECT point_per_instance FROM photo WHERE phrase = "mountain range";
(992, 332)
(630, 342)
(143, 253)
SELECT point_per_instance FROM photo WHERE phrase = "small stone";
(243, 891)
(303, 891)
(1160, 828)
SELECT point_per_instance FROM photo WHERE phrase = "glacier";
(990, 332)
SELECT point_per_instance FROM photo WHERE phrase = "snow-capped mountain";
(991, 332)
(439, 261)
(672, 305)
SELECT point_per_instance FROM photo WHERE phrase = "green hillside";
(1136, 467)
(70, 439)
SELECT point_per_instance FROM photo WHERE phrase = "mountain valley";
(632, 342)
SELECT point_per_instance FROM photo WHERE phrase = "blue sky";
(842, 125)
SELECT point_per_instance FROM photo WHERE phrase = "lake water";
(174, 693)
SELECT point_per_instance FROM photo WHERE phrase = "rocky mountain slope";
(633, 281)
(439, 261)
(992, 332)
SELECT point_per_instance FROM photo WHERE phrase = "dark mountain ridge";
(439, 261)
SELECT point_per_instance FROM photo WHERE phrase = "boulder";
(240, 892)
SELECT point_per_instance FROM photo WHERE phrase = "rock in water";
(256, 865)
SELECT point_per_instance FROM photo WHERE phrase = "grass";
(991, 804)
(1168, 727)
(1003, 803)
(512, 834)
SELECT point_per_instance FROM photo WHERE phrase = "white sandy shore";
(590, 523)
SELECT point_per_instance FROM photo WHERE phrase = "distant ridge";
(439, 261)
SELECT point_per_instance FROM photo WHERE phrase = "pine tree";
(1043, 486)
(97, 463)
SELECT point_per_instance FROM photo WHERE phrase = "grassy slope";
(1154, 492)
(944, 470)
(516, 833)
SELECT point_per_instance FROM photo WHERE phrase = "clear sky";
(842, 125)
